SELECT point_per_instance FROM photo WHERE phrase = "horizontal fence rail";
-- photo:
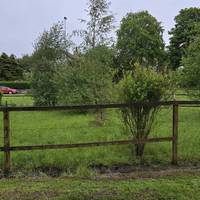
(7, 148)
(82, 145)
(95, 106)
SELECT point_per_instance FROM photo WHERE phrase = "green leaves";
(51, 50)
(10, 68)
(183, 34)
(139, 40)
(141, 85)
(99, 25)
(191, 70)
(87, 79)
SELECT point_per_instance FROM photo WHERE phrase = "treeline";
(63, 72)
(10, 68)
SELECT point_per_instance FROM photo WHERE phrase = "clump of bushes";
(17, 85)
(142, 85)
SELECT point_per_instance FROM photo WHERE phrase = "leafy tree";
(50, 50)
(44, 88)
(53, 44)
(10, 68)
(99, 25)
(88, 79)
(183, 34)
(139, 39)
(191, 70)
(141, 85)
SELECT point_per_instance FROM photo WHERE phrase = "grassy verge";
(176, 188)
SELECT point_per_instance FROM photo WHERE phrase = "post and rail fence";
(7, 148)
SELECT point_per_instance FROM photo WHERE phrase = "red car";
(7, 90)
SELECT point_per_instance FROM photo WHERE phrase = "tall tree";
(51, 49)
(182, 34)
(99, 25)
(139, 39)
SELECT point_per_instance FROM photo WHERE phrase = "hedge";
(16, 85)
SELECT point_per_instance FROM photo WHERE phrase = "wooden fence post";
(175, 134)
(7, 158)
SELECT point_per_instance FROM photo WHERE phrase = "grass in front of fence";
(31, 128)
(179, 188)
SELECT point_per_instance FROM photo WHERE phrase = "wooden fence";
(7, 148)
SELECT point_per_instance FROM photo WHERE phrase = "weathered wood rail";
(7, 148)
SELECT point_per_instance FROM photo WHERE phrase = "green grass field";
(30, 128)
(170, 188)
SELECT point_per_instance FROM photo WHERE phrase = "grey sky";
(21, 21)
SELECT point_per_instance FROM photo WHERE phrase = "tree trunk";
(139, 150)
(100, 116)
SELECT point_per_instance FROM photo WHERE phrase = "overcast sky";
(21, 21)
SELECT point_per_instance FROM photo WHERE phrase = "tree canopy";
(99, 24)
(50, 50)
(191, 70)
(139, 39)
(88, 79)
(183, 34)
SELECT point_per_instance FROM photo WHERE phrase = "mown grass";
(176, 188)
(30, 128)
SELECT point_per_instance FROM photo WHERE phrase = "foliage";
(27, 63)
(10, 68)
(52, 44)
(44, 88)
(51, 50)
(88, 79)
(99, 25)
(139, 39)
(183, 34)
(191, 70)
(16, 85)
(143, 85)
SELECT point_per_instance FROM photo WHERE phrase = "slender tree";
(99, 25)
(50, 50)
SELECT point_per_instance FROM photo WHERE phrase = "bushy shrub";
(88, 79)
(17, 85)
(44, 88)
(142, 85)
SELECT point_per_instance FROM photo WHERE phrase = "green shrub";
(88, 79)
(16, 85)
(142, 85)
(43, 85)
